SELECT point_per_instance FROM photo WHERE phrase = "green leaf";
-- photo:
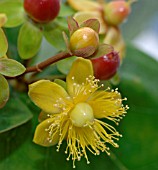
(65, 64)
(139, 84)
(61, 83)
(29, 40)
(12, 36)
(11, 68)
(53, 35)
(65, 10)
(4, 44)
(14, 11)
(14, 113)
(4, 91)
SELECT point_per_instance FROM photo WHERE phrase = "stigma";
(82, 115)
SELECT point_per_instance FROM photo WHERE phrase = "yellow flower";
(73, 114)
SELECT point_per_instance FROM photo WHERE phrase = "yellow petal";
(84, 5)
(82, 16)
(41, 135)
(45, 94)
(80, 70)
(105, 104)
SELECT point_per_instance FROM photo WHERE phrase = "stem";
(39, 67)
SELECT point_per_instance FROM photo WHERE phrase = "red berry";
(106, 66)
(42, 11)
(117, 11)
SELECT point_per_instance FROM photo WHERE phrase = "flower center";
(81, 115)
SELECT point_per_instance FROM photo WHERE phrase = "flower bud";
(84, 39)
(117, 11)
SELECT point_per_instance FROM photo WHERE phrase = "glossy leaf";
(14, 11)
(12, 35)
(54, 36)
(65, 10)
(61, 83)
(3, 44)
(65, 65)
(4, 91)
(29, 40)
(14, 113)
(11, 68)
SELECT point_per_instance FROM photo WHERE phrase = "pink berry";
(42, 11)
(117, 11)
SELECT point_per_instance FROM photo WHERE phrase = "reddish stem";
(39, 67)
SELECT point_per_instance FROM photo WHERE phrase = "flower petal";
(41, 135)
(45, 93)
(80, 70)
(106, 104)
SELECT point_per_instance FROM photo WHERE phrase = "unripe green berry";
(117, 11)
(83, 38)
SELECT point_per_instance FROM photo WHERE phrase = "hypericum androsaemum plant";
(74, 113)
(35, 17)
(73, 110)
(77, 110)
(110, 15)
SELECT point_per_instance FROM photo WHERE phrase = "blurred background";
(142, 26)
(139, 83)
